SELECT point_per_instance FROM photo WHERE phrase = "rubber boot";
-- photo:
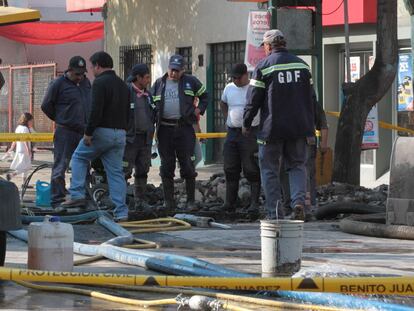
(169, 202)
(255, 188)
(299, 212)
(140, 186)
(144, 210)
(190, 190)
(232, 189)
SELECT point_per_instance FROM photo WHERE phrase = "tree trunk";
(364, 94)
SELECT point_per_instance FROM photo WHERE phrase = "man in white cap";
(281, 89)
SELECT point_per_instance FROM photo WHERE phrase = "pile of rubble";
(338, 192)
(210, 194)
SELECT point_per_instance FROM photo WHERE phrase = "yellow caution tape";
(357, 285)
(211, 135)
(48, 137)
(382, 124)
(35, 137)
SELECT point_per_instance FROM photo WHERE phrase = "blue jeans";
(108, 145)
(295, 155)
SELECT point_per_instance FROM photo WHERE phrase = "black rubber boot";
(299, 212)
(232, 190)
(140, 186)
(169, 202)
(3, 242)
(190, 190)
(255, 189)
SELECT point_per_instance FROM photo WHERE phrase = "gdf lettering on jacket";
(281, 88)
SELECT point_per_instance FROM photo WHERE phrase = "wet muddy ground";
(326, 252)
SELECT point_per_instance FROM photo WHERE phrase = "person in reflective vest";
(281, 89)
(174, 95)
(140, 133)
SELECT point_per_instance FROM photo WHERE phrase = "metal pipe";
(347, 47)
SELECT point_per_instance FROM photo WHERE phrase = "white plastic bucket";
(281, 246)
(50, 245)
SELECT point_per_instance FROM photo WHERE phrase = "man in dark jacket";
(66, 103)
(174, 96)
(105, 136)
(140, 132)
(281, 88)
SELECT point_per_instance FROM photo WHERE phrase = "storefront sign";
(258, 24)
(405, 83)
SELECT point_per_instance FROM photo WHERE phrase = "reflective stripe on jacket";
(281, 88)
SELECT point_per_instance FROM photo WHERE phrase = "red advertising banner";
(258, 24)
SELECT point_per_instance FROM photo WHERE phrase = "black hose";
(374, 225)
(332, 210)
(26, 182)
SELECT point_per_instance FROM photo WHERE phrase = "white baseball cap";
(270, 36)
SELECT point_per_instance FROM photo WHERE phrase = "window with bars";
(130, 55)
(187, 53)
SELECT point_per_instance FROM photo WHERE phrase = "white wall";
(51, 10)
(174, 23)
(61, 53)
(12, 52)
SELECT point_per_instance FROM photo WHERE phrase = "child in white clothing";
(22, 161)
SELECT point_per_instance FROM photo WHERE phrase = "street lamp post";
(273, 13)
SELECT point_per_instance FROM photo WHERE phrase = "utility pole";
(273, 13)
(347, 47)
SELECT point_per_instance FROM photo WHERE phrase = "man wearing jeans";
(105, 136)
(281, 88)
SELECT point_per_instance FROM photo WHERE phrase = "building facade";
(14, 52)
(211, 35)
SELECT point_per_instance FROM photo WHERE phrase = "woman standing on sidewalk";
(22, 161)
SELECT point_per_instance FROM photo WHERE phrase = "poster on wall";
(370, 140)
(355, 63)
(405, 83)
(355, 66)
(258, 24)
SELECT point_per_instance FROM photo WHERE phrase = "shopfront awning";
(12, 15)
(53, 33)
(84, 5)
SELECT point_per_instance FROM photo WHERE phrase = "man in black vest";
(140, 132)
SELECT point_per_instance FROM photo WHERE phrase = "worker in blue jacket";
(281, 88)
(174, 95)
(67, 103)
(140, 132)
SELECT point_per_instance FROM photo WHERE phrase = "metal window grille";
(24, 91)
(134, 54)
(187, 53)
